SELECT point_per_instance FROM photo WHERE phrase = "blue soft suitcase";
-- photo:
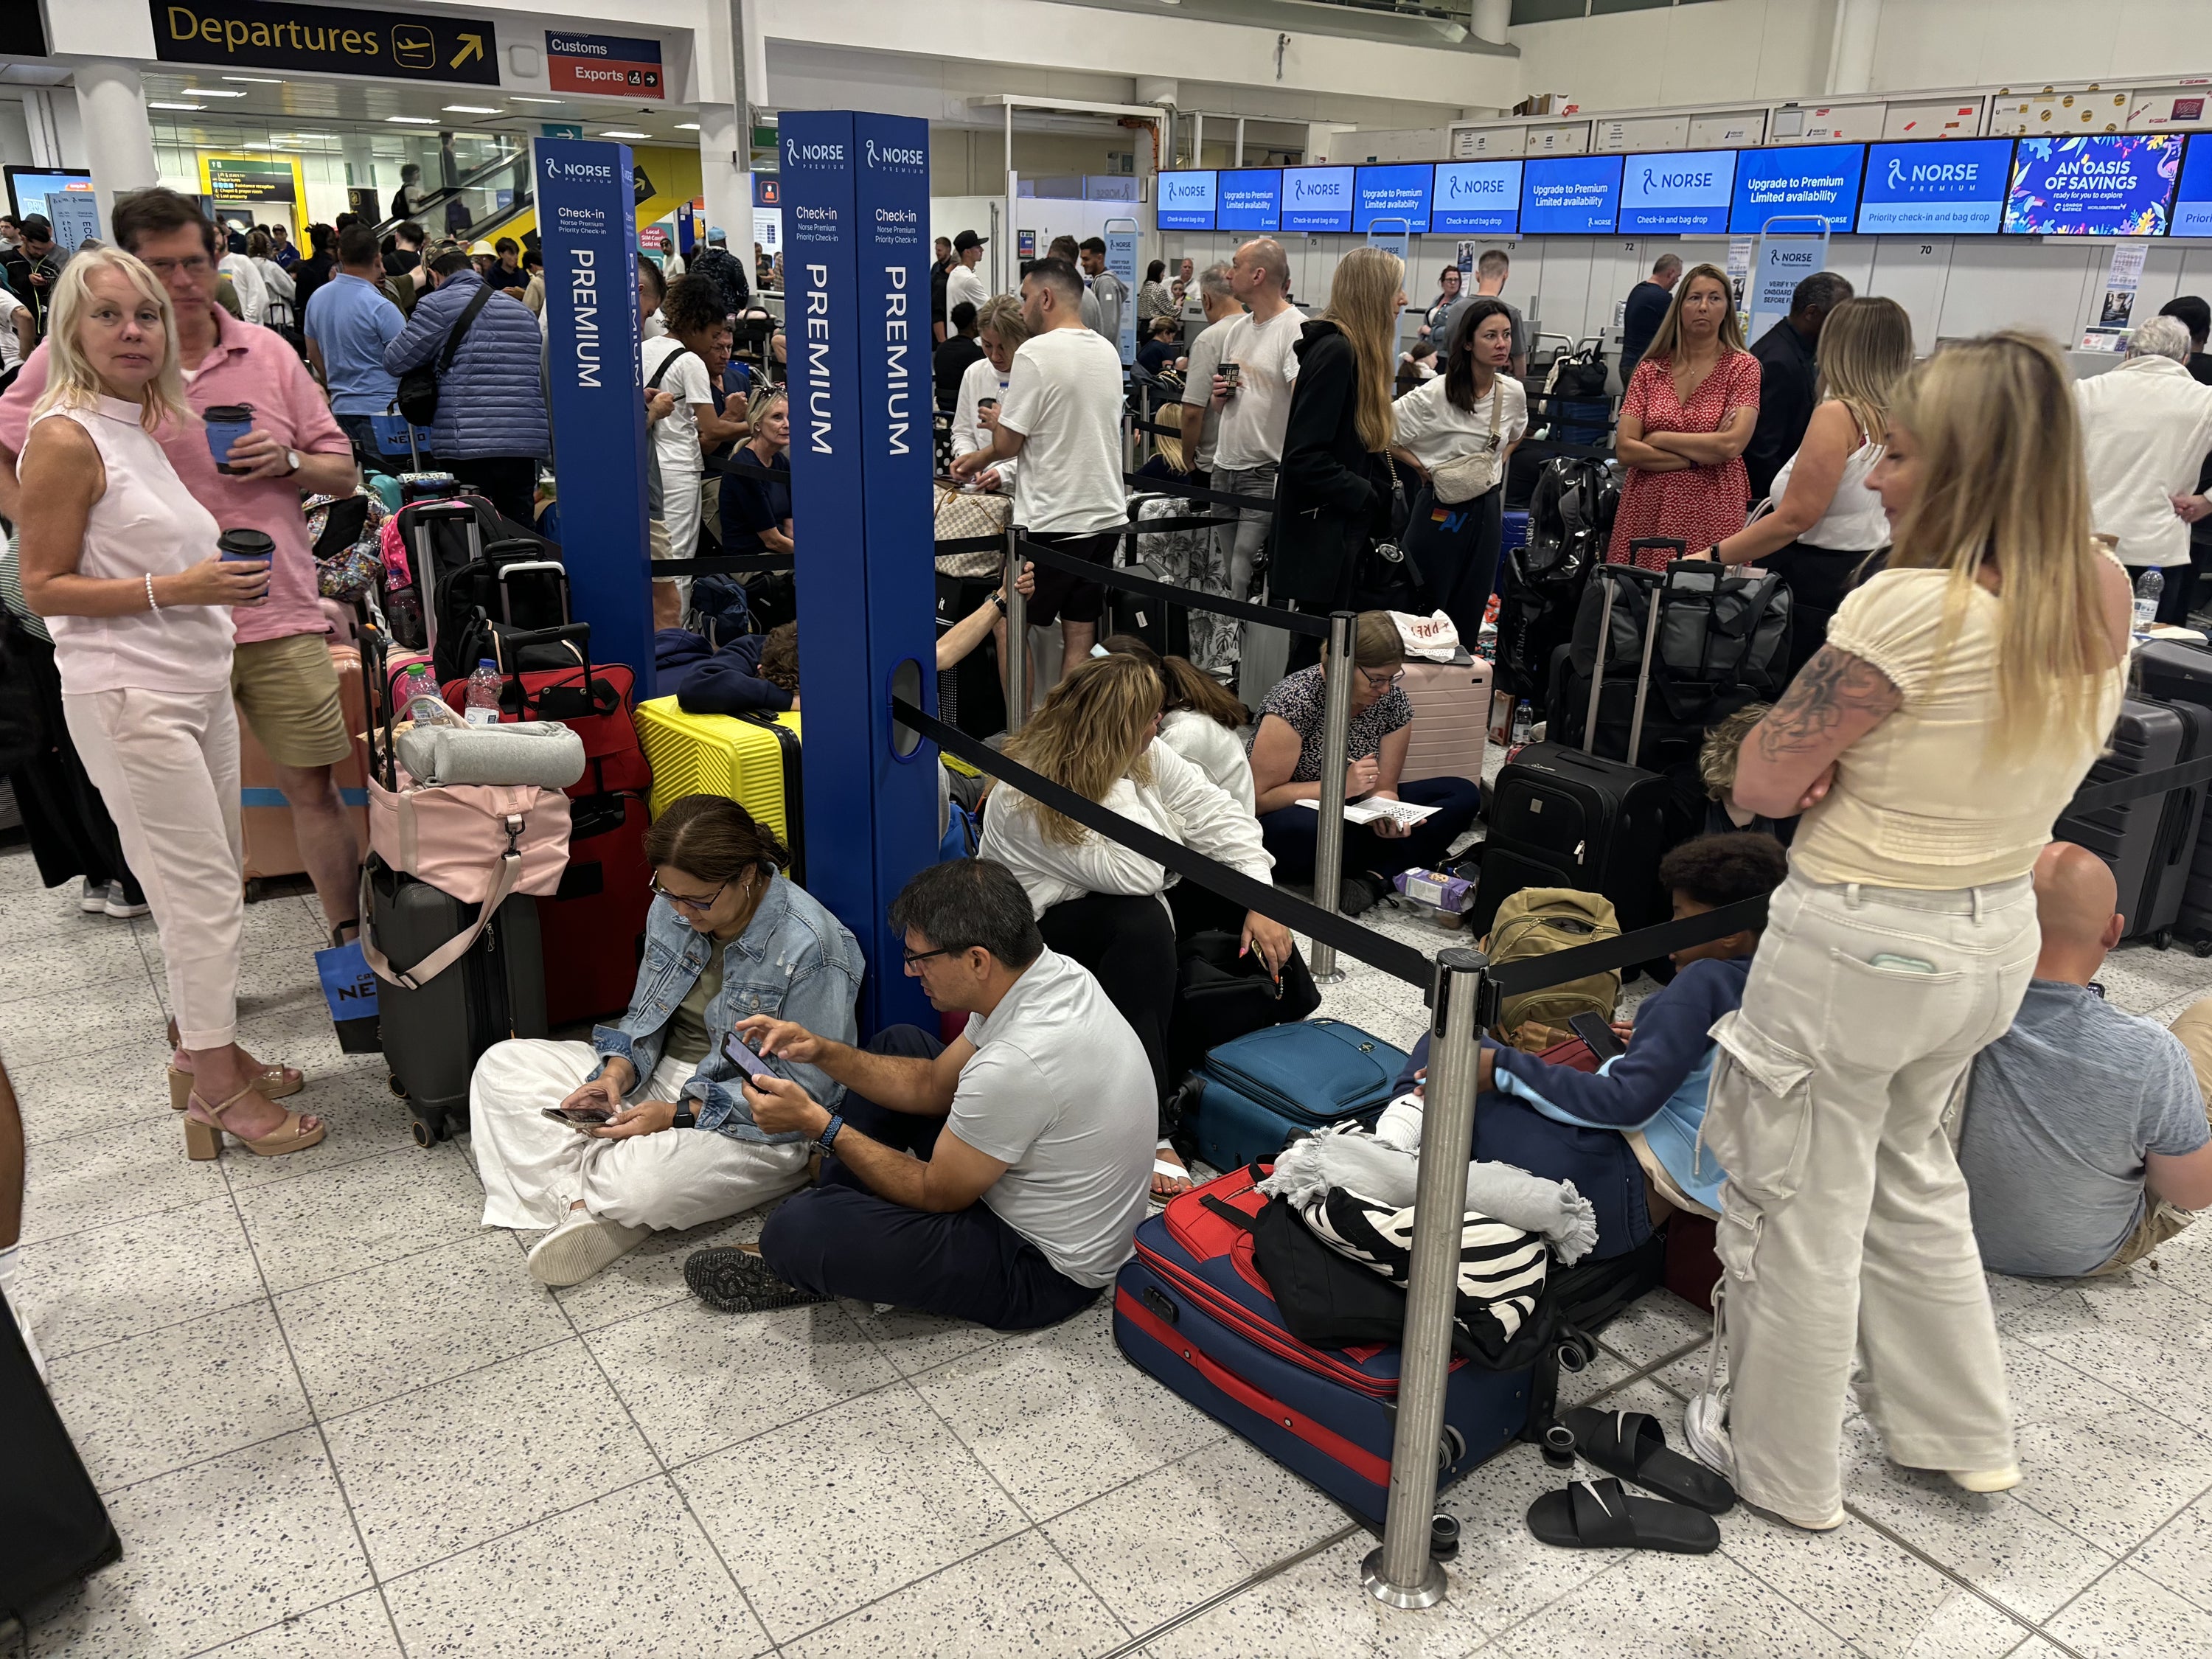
(1192, 1310)
(1255, 1093)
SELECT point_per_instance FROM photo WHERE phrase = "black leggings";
(1128, 944)
(1818, 579)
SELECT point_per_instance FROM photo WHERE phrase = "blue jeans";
(840, 1239)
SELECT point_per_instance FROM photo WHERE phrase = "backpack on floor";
(1537, 921)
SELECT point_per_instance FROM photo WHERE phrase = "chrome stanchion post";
(1018, 636)
(1336, 732)
(1401, 1573)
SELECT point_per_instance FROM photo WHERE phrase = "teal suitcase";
(1253, 1094)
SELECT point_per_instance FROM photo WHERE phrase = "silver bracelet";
(152, 604)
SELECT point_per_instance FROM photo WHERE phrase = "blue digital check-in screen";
(1680, 192)
(1398, 192)
(2192, 203)
(1250, 198)
(1570, 195)
(1802, 182)
(1476, 198)
(1187, 201)
(1317, 198)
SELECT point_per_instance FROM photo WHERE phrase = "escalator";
(489, 200)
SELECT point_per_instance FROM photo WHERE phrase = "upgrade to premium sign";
(401, 45)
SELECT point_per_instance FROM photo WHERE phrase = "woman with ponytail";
(1333, 500)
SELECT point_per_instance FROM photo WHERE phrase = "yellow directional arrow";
(471, 47)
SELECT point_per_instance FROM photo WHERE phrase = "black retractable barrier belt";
(1220, 604)
(2097, 798)
(1163, 526)
(723, 564)
(1155, 426)
(1197, 493)
(971, 544)
(1645, 944)
(1399, 960)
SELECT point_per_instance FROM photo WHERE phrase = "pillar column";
(119, 141)
(735, 81)
(1491, 20)
(1850, 51)
(46, 133)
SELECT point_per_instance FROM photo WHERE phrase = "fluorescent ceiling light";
(215, 92)
(153, 104)
(471, 109)
(523, 98)
(687, 126)
(257, 80)
(414, 120)
(616, 132)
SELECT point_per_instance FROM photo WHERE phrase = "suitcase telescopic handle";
(1644, 678)
(1597, 667)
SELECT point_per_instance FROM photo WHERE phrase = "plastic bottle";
(1524, 721)
(418, 695)
(483, 702)
(2148, 591)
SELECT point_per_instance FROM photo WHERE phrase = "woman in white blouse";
(1000, 328)
(1111, 908)
(1199, 718)
(1475, 405)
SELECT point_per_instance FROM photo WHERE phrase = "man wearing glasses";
(281, 675)
(999, 1179)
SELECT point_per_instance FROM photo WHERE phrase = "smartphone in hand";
(1598, 1034)
(580, 1117)
(748, 1062)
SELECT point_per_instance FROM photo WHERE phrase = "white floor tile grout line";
(1274, 1570)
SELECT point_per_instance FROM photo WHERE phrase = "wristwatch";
(292, 460)
(685, 1118)
(1000, 599)
(828, 1139)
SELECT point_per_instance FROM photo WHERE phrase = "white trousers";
(681, 509)
(166, 763)
(1844, 1226)
(534, 1168)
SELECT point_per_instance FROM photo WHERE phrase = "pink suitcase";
(1451, 719)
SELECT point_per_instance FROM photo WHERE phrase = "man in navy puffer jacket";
(490, 431)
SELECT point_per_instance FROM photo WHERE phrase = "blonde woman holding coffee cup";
(126, 569)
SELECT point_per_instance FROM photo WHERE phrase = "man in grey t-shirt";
(999, 1178)
(2085, 1141)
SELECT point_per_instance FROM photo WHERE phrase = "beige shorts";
(287, 692)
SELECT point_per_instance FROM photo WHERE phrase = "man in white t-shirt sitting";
(1062, 416)
(999, 1179)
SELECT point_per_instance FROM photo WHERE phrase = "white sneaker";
(1704, 1426)
(93, 898)
(580, 1246)
(121, 907)
(2003, 1479)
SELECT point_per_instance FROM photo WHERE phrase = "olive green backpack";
(1537, 921)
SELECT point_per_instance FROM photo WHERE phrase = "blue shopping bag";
(349, 988)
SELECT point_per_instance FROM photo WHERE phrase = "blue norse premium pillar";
(588, 230)
(856, 322)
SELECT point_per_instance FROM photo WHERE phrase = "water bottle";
(418, 695)
(2148, 591)
(1524, 722)
(483, 701)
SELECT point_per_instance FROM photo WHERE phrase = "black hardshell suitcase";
(2151, 843)
(1565, 818)
(54, 1530)
(2173, 673)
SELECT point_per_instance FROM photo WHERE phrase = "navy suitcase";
(1255, 1092)
(1192, 1310)
(2151, 843)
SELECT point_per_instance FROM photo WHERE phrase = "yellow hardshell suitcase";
(754, 759)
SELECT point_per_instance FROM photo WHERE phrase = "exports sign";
(622, 64)
(403, 46)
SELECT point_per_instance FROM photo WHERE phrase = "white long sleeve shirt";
(252, 292)
(1178, 803)
(1215, 749)
(978, 381)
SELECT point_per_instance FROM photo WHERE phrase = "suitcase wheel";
(424, 1135)
(396, 1085)
(2162, 940)
(2203, 945)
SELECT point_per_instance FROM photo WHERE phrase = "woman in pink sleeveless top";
(121, 562)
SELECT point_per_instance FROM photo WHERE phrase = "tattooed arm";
(1790, 759)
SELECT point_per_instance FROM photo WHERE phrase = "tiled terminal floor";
(332, 1418)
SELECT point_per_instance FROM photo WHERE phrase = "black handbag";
(54, 1529)
(1221, 996)
(418, 387)
(23, 727)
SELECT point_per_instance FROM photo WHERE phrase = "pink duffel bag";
(478, 843)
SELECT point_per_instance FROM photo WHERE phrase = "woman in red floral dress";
(1685, 424)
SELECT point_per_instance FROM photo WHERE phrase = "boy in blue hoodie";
(1627, 1135)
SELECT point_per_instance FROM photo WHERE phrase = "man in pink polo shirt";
(281, 674)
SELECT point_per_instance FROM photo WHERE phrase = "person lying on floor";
(1627, 1135)
(728, 937)
(754, 673)
(999, 1178)
(2085, 1141)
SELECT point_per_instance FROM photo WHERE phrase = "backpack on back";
(1536, 921)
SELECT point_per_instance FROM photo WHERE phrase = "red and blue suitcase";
(1191, 1309)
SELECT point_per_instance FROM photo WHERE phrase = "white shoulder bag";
(1463, 477)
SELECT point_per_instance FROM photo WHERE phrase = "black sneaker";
(1358, 894)
(736, 1281)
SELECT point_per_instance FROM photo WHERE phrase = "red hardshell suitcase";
(1191, 1309)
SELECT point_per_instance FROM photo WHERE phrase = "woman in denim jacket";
(667, 1139)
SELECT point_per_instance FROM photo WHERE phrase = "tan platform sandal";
(205, 1140)
(273, 1082)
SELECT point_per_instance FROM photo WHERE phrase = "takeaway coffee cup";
(226, 424)
(247, 546)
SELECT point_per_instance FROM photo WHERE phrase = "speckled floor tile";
(2144, 1338)
(57, 1025)
(82, 959)
(1672, 1606)
(1018, 1598)
(138, 1167)
(1190, 1530)
(453, 1466)
(635, 1577)
(1503, 1573)
(66, 1099)
(2126, 1614)
(138, 1275)
(356, 1628)
(350, 1216)
(918, 1342)
(1659, 1324)
(795, 1513)
(366, 1119)
(675, 1368)
(1320, 1609)
(192, 1391)
(213, 1552)
(389, 1330)
(652, 1275)
(1060, 1416)
(2178, 1555)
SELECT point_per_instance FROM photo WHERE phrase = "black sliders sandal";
(1602, 1516)
(1631, 1446)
